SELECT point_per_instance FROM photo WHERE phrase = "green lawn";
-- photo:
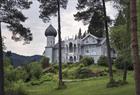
(96, 86)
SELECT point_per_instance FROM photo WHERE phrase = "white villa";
(74, 49)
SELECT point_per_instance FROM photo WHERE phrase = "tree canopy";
(11, 15)
(49, 8)
(91, 12)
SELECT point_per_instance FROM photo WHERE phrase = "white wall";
(50, 41)
(49, 53)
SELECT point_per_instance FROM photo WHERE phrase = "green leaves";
(91, 12)
(49, 8)
(10, 13)
(120, 40)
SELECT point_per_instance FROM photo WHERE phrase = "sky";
(70, 27)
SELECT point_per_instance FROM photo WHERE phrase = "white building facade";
(74, 49)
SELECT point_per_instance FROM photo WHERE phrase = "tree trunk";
(1, 65)
(128, 30)
(125, 72)
(134, 43)
(108, 44)
(59, 41)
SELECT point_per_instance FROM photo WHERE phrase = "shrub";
(47, 77)
(120, 62)
(45, 62)
(103, 61)
(17, 88)
(71, 71)
(69, 63)
(20, 74)
(84, 73)
(36, 70)
(64, 65)
(87, 61)
(51, 69)
(33, 70)
(44, 78)
(36, 82)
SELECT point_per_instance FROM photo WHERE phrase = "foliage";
(120, 62)
(45, 62)
(79, 71)
(11, 14)
(70, 72)
(103, 61)
(121, 27)
(49, 8)
(47, 77)
(44, 78)
(84, 73)
(14, 79)
(91, 12)
(17, 88)
(80, 34)
(118, 40)
(13, 74)
(87, 61)
(34, 71)
(120, 20)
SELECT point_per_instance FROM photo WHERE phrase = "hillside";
(18, 60)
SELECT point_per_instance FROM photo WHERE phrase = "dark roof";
(50, 31)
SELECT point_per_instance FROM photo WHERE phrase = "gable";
(89, 39)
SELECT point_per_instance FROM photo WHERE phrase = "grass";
(96, 86)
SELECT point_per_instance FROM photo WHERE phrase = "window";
(87, 51)
(70, 47)
(74, 47)
(94, 53)
(71, 59)
(74, 58)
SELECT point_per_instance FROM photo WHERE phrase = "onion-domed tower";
(50, 33)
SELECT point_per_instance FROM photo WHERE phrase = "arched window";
(74, 58)
(71, 59)
(70, 47)
(74, 47)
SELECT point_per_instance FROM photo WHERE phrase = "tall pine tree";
(80, 34)
(10, 14)
(91, 12)
(50, 8)
(134, 43)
